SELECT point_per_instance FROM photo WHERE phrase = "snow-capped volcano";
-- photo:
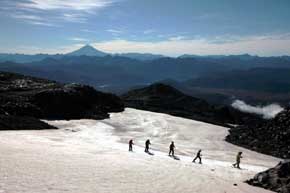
(87, 50)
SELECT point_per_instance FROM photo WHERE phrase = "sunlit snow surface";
(88, 156)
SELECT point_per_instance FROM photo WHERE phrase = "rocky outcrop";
(166, 99)
(271, 137)
(10, 122)
(276, 179)
(23, 96)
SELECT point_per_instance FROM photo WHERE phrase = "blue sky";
(170, 27)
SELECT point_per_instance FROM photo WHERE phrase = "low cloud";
(271, 45)
(274, 45)
(33, 49)
(268, 111)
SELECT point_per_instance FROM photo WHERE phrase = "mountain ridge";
(86, 50)
(196, 76)
(89, 50)
(163, 98)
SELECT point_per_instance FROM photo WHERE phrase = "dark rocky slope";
(276, 179)
(24, 96)
(166, 99)
(10, 122)
(271, 137)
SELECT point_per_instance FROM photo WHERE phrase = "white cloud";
(268, 112)
(31, 49)
(74, 17)
(32, 19)
(42, 23)
(26, 17)
(78, 39)
(55, 11)
(114, 31)
(267, 45)
(78, 5)
(88, 31)
(258, 45)
(177, 38)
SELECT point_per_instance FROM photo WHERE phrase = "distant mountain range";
(86, 50)
(272, 80)
(255, 85)
(217, 79)
(242, 56)
(25, 58)
(142, 57)
(89, 50)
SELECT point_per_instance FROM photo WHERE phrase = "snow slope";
(87, 156)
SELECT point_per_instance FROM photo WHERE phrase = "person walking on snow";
(198, 156)
(171, 148)
(238, 160)
(147, 143)
(131, 143)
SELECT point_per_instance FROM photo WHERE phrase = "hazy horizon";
(116, 53)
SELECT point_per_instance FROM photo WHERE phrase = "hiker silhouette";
(147, 143)
(198, 156)
(131, 143)
(238, 160)
(171, 149)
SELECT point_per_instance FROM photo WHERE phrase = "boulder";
(276, 179)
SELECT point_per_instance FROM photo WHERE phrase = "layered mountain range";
(217, 79)
(86, 50)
